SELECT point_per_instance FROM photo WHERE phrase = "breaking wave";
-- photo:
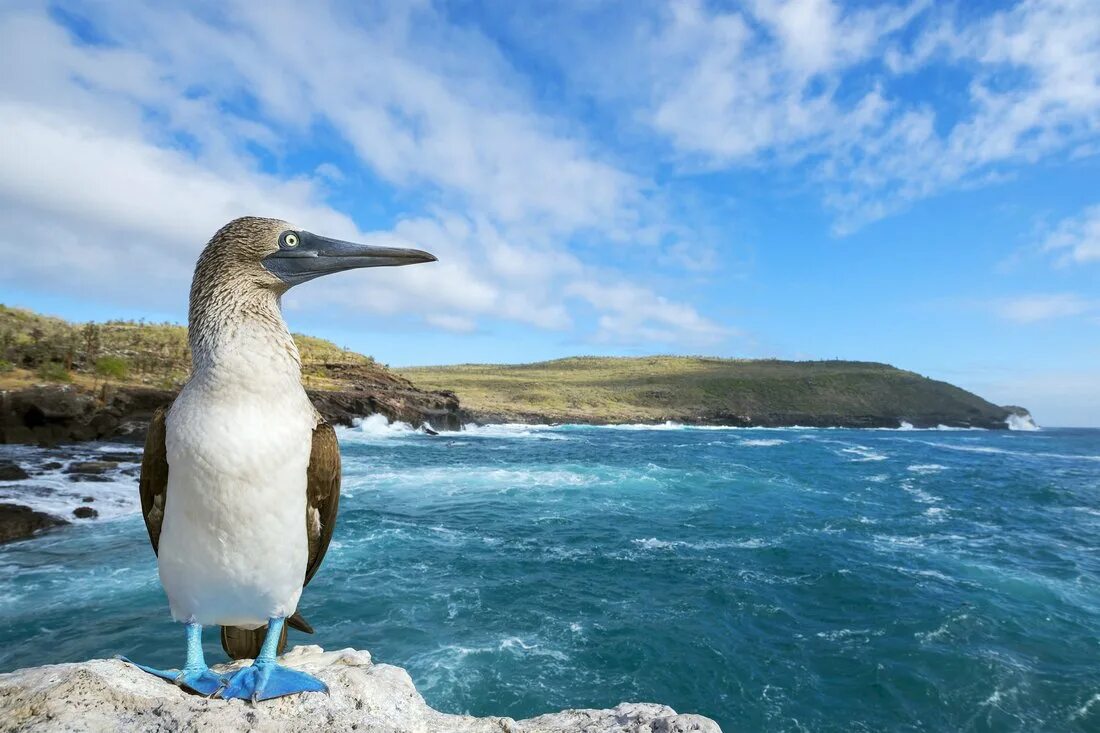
(1021, 422)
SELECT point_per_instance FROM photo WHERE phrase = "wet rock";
(91, 467)
(90, 477)
(85, 512)
(371, 698)
(18, 522)
(119, 457)
(53, 414)
(51, 466)
(11, 471)
(87, 499)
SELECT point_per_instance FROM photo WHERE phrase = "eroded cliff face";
(110, 695)
(50, 414)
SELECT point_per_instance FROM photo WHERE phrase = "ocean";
(774, 580)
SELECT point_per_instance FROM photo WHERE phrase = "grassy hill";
(36, 348)
(63, 382)
(707, 390)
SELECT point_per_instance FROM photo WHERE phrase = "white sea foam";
(763, 442)
(864, 454)
(114, 493)
(377, 426)
(752, 543)
(1005, 452)
(841, 634)
(906, 426)
(1084, 709)
(514, 430)
(927, 636)
(1020, 422)
(926, 468)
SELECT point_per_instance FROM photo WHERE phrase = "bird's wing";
(154, 477)
(322, 494)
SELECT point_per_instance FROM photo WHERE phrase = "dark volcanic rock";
(89, 477)
(18, 522)
(90, 467)
(87, 499)
(85, 512)
(119, 457)
(11, 471)
(52, 414)
(416, 407)
(48, 415)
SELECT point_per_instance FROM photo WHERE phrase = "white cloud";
(734, 86)
(804, 81)
(635, 314)
(122, 158)
(1076, 240)
(1035, 308)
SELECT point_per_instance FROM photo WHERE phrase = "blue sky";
(910, 182)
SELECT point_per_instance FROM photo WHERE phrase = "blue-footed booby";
(241, 476)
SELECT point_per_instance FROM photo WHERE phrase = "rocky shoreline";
(363, 696)
(52, 414)
(766, 420)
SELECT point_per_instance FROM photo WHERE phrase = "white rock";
(110, 695)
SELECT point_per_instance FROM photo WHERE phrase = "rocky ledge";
(50, 414)
(109, 695)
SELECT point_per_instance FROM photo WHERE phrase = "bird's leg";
(195, 675)
(266, 678)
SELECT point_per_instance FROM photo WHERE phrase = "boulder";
(105, 695)
(11, 471)
(85, 512)
(18, 522)
(93, 468)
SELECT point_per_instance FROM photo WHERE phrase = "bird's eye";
(290, 240)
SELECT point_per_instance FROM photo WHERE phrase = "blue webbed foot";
(267, 679)
(202, 680)
(195, 675)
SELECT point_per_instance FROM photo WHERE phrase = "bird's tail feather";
(245, 643)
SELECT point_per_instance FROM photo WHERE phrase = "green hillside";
(707, 390)
(36, 348)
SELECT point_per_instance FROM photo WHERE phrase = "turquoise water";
(771, 579)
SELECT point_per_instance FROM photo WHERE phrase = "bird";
(240, 478)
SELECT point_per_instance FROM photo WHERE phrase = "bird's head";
(277, 255)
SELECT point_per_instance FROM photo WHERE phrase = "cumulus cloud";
(127, 145)
(1076, 240)
(628, 310)
(847, 95)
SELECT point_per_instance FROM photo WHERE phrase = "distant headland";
(712, 391)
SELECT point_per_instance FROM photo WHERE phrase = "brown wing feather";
(322, 502)
(323, 498)
(154, 477)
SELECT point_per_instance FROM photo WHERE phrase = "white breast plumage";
(233, 544)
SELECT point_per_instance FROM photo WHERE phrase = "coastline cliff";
(64, 382)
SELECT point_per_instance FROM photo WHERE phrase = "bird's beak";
(315, 256)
